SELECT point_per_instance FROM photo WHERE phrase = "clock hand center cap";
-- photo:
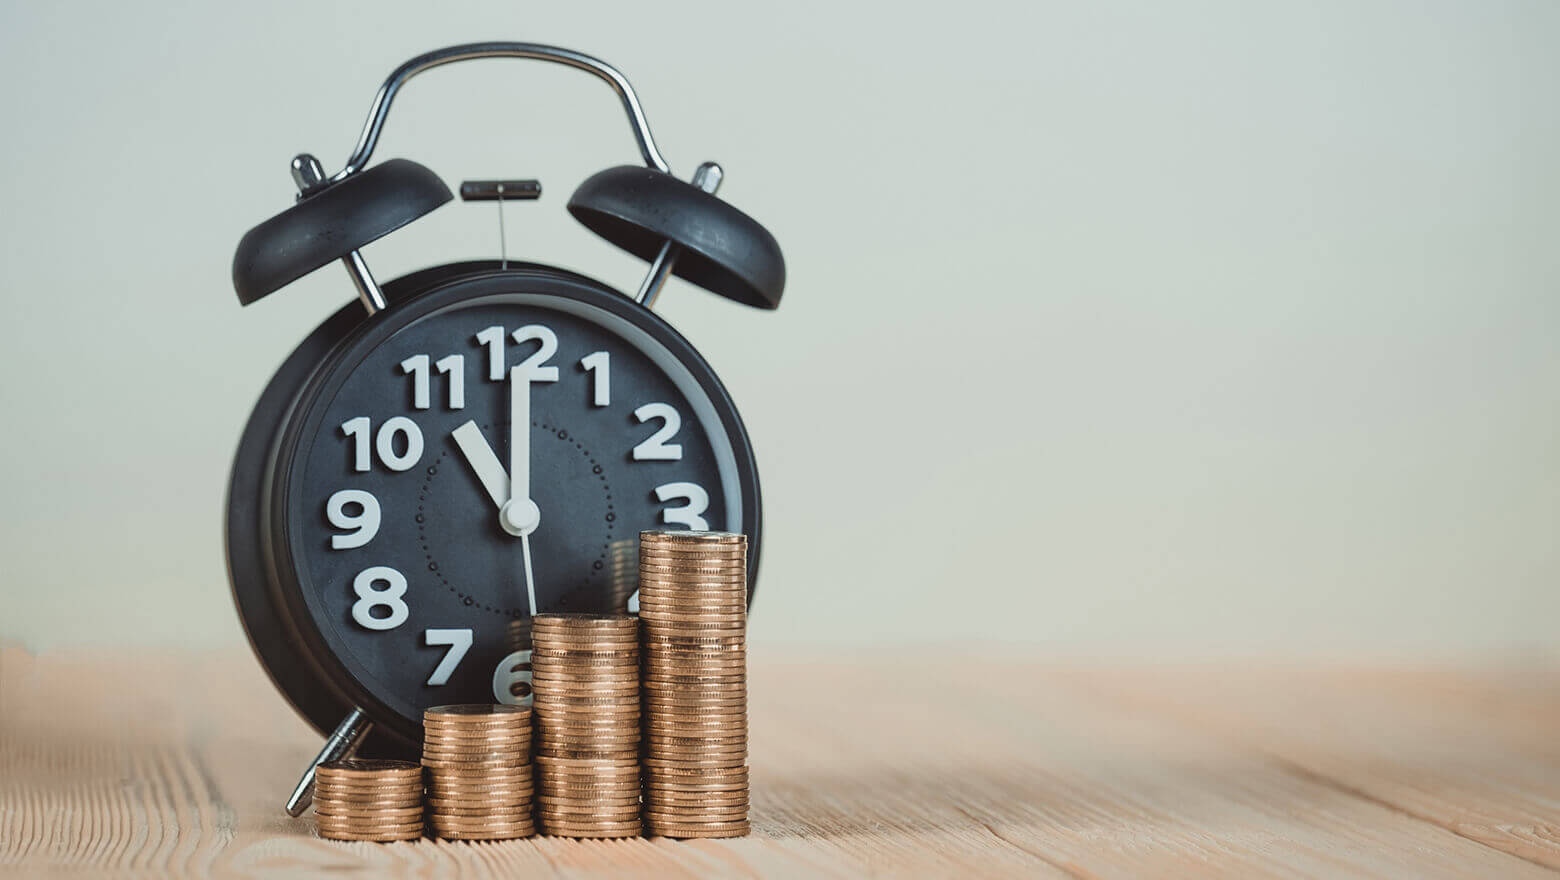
(520, 516)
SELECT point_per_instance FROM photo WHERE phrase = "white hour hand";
(484, 462)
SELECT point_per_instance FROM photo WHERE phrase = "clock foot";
(342, 743)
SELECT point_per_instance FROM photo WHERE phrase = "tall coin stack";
(356, 799)
(693, 613)
(585, 677)
(478, 771)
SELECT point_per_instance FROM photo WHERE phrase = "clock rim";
(293, 652)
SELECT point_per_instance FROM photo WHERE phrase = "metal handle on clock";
(343, 742)
(472, 51)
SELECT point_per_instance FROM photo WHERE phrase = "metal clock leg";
(342, 743)
(706, 177)
(307, 173)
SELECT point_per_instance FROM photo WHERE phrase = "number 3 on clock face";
(489, 457)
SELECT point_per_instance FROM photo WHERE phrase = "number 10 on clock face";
(493, 459)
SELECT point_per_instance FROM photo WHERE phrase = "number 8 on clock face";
(487, 450)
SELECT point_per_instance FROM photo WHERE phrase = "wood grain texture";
(972, 766)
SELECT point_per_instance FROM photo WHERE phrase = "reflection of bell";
(519, 634)
(622, 574)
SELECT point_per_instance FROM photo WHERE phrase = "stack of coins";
(478, 762)
(585, 670)
(356, 799)
(693, 613)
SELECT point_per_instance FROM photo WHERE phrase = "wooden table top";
(894, 764)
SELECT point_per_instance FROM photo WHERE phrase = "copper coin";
(374, 836)
(727, 755)
(571, 669)
(695, 742)
(358, 769)
(591, 829)
(654, 644)
(696, 818)
(595, 812)
(604, 799)
(655, 782)
(713, 762)
(690, 702)
(444, 719)
(491, 815)
(663, 804)
(726, 726)
(361, 818)
(452, 799)
(371, 828)
(367, 788)
(700, 631)
(722, 649)
(523, 826)
(456, 712)
(617, 649)
(740, 829)
(606, 766)
(682, 537)
(549, 686)
(502, 831)
(582, 619)
(677, 776)
(479, 773)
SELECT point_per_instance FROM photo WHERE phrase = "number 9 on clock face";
(484, 452)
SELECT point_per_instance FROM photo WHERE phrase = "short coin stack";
(356, 799)
(478, 771)
(585, 676)
(693, 613)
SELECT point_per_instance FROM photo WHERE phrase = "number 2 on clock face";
(443, 423)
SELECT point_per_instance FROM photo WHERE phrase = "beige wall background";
(1146, 328)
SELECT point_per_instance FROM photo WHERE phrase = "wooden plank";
(1472, 751)
(176, 764)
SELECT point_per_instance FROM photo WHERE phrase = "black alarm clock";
(475, 443)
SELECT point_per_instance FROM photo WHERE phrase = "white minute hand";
(519, 434)
(520, 515)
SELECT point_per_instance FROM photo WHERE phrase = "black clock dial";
(422, 523)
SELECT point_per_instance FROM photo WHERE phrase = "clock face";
(473, 460)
